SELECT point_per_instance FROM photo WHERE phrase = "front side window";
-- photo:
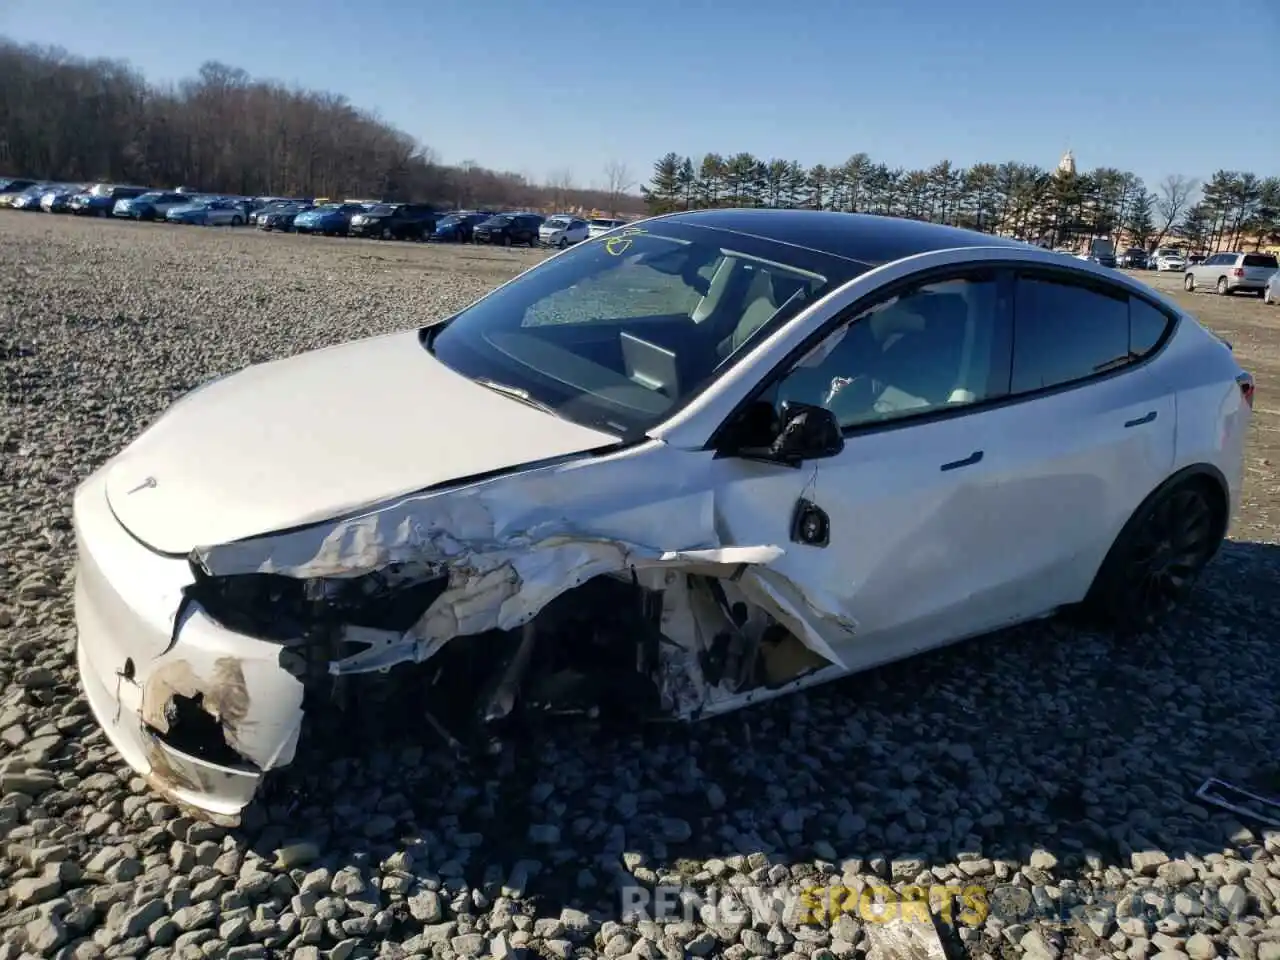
(934, 346)
(616, 334)
(1064, 332)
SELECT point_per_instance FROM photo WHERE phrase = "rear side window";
(1065, 332)
(1261, 260)
(1147, 327)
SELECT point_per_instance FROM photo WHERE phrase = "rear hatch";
(1258, 267)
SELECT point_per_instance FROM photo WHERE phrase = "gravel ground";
(1045, 765)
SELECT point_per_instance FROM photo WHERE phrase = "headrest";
(897, 317)
(761, 286)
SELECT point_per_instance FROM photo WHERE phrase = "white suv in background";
(1232, 272)
(598, 226)
(561, 231)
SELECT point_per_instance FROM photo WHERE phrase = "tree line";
(1056, 208)
(72, 119)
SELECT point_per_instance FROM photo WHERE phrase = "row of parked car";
(334, 218)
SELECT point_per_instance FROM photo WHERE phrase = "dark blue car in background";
(330, 219)
(99, 200)
(457, 227)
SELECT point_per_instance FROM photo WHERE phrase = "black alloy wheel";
(1157, 558)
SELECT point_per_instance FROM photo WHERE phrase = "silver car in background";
(1271, 293)
(1166, 258)
(1228, 273)
(599, 226)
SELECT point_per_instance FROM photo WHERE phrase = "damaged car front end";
(240, 577)
(497, 613)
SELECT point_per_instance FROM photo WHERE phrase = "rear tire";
(1154, 562)
(1189, 283)
(237, 222)
(1266, 295)
(1222, 287)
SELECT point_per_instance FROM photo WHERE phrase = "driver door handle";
(968, 461)
(1141, 420)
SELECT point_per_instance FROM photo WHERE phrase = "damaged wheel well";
(650, 641)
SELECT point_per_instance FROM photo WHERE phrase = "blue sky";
(538, 86)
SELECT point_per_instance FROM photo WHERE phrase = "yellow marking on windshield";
(619, 244)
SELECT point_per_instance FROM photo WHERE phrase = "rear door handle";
(1141, 420)
(968, 461)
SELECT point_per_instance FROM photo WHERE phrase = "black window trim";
(1007, 272)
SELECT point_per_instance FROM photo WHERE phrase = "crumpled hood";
(319, 434)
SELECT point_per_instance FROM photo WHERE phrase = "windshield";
(497, 221)
(382, 210)
(604, 223)
(614, 335)
(448, 221)
(557, 223)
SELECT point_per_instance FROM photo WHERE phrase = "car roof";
(861, 237)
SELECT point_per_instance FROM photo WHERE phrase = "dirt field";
(1042, 767)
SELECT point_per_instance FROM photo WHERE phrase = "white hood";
(316, 435)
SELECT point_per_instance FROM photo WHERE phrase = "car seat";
(761, 304)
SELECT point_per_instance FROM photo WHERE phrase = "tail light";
(1246, 388)
(1237, 272)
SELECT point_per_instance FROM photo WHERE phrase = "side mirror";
(809, 432)
(802, 431)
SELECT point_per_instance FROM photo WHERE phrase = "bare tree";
(1175, 195)
(67, 118)
(560, 185)
(617, 179)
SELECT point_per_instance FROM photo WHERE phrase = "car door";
(911, 505)
(1017, 433)
(1090, 431)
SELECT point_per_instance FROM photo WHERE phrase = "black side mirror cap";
(800, 432)
(809, 432)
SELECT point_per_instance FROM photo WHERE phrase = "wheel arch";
(1205, 475)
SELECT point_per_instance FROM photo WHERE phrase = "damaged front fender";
(708, 625)
(504, 552)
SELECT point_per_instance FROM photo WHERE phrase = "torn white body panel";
(512, 544)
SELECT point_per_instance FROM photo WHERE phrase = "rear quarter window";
(1147, 327)
(1064, 332)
